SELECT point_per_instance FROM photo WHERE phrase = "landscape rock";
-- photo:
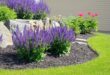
(55, 24)
(47, 23)
(12, 24)
(83, 40)
(6, 36)
(36, 23)
(82, 43)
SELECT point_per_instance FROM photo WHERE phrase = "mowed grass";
(97, 66)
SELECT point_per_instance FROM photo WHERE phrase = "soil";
(79, 54)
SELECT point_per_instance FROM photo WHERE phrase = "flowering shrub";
(6, 13)
(88, 24)
(62, 37)
(42, 10)
(26, 9)
(31, 44)
(83, 24)
(81, 14)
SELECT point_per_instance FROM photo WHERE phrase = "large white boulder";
(36, 23)
(12, 24)
(6, 36)
(55, 24)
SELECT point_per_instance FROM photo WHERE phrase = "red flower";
(93, 15)
(81, 15)
(89, 13)
(96, 14)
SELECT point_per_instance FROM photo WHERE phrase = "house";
(73, 7)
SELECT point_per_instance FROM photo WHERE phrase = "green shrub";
(40, 15)
(72, 22)
(82, 24)
(62, 38)
(24, 15)
(35, 54)
(31, 44)
(59, 48)
(90, 24)
(6, 13)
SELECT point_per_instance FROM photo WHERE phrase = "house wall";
(73, 7)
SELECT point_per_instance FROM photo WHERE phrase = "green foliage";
(82, 25)
(88, 25)
(39, 15)
(6, 13)
(59, 48)
(24, 15)
(30, 44)
(35, 54)
(72, 22)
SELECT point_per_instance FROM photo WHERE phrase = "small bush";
(72, 22)
(31, 44)
(24, 14)
(81, 24)
(6, 13)
(40, 15)
(62, 38)
(88, 23)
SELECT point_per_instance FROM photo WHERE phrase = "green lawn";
(97, 66)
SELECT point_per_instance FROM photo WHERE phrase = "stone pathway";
(81, 41)
(7, 40)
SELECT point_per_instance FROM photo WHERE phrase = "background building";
(73, 7)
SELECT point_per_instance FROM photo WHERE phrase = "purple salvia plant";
(27, 9)
(37, 36)
(31, 44)
(62, 33)
(37, 39)
(26, 5)
(62, 39)
(42, 37)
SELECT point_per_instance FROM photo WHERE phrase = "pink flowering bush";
(81, 14)
(89, 23)
(83, 24)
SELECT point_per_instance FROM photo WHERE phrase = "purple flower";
(26, 5)
(42, 37)
(63, 34)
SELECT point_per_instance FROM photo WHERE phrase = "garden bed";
(79, 54)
